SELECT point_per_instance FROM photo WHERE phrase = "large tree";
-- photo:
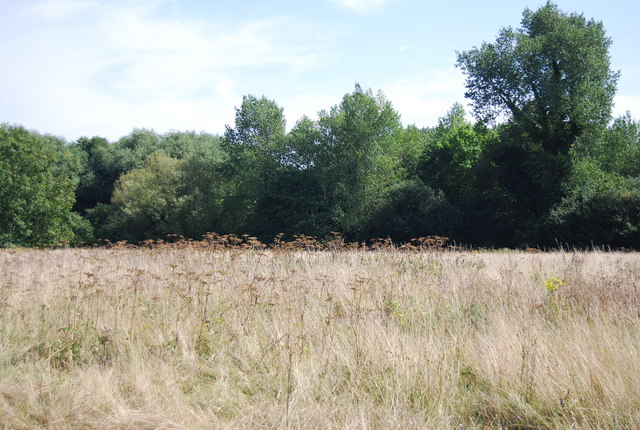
(36, 190)
(358, 158)
(291, 201)
(552, 76)
(255, 149)
(551, 85)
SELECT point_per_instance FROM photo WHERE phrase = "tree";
(551, 81)
(411, 144)
(302, 145)
(448, 163)
(202, 192)
(36, 190)
(517, 183)
(412, 210)
(131, 151)
(291, 201)
(97, 177)
(183, 144)
(358, 160)
(258, 133)
(103, 163)
(145, 202)
(600, 208)
(618, 150)
(551, 76)
(255, 149)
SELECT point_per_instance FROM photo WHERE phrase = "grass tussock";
(195, 338)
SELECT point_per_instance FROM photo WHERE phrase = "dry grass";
(201, 339)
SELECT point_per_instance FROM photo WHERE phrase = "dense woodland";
(543, 164)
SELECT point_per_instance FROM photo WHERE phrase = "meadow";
(196, 338)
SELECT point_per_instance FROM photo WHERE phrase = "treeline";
(555, 168)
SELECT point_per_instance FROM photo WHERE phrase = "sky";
(76, 68)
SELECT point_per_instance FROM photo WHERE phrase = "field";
(202, 339)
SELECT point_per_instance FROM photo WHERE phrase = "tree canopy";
(36, 190)
(551, 76)
(542, 163)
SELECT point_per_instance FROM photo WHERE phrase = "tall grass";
(201, 339)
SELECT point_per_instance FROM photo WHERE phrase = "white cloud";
(309, 104)
(361, 6)
(85, 67)
(623, 103)
(59, 9)
(422, 100)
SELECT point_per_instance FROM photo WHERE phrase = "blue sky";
(93, 67)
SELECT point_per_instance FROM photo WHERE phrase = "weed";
(304, 333)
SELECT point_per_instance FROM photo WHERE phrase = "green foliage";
(318, 178)
(551, 81)
(97, 174)
(551, 76)
(517, 183)
(302, 145)
(36, 190)
(291, 205)
(553, 168)
(412, 210)
(601, 203)
(358, 160)
(410, 145)
(448, 163)
(258, 133)
(618, 149)
(145, 201)
(292, 201)
(184, 144)
(255, 149)
(104, 163)
(202, 191)
(600, 208)
(131, 150)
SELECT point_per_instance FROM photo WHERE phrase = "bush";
(36, 192)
